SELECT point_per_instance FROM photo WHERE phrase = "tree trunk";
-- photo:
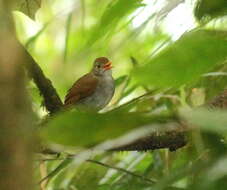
(15, 113)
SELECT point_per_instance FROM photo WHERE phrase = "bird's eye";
(99, 66)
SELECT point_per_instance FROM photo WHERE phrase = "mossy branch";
(51, 98)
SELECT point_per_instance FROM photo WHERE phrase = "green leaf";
(184, 61)
(85, 129)
(114, 13)
(208, 9)
(211, 120)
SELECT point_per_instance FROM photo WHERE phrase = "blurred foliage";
(208, 9)
(163, 61)
(115, 12)
(186, 55)
(209, 119)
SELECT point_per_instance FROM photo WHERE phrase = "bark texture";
(51, 99)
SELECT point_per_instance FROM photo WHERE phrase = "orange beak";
(108, 66)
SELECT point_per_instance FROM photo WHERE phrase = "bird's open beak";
(108, 66)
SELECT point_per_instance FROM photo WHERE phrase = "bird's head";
(102, 66)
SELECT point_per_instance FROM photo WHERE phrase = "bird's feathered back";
(82, 88)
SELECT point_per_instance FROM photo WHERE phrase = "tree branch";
(219, 101)
(170, 139)
(52, 100)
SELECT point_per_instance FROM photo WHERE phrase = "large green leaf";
(184, 61)
(85, 129)
(208, 9)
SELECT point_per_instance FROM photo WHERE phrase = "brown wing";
(82, 88)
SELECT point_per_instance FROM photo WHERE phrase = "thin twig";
(122, 170)
(52, 174)
(43, 172)
(61, 166)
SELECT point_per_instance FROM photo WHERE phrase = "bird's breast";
(102, 94)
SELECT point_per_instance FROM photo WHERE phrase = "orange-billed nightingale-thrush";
(93, 91)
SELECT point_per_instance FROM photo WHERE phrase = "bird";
(94, 90)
